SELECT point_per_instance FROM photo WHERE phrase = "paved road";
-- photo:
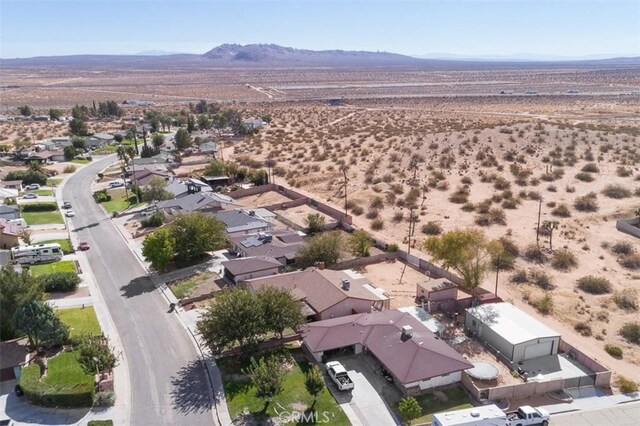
(168, 383)
(620, 415)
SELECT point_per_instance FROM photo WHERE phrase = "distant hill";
(273, 54)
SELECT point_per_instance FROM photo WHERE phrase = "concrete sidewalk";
(590, 399)
(71, 302)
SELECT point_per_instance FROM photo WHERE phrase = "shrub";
(626, 299)
(585, 177)
(613, 350)
(69, 169)
(59, 281)
(357, 210)
(431, 228)
(510, 247)
(590, 168)
(583, 328)
(520, 277)
(372, 214)
(27, 177)
(39, 207)
(544, 305)
(631, 332)
(468, 207)
(541, 279)
(594, 285)
(630, 261)
(377, 224)
(156, 219)
(101, 196)
(534, 254)
(587, 203)
(377, 202)
(564, 260)
(392, 247)
(105, 399)
(622, 248)
(616, 192)
(561, 211)
(626, 385)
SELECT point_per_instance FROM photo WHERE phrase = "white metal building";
(517, 335)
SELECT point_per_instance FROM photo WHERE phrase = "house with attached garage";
(246, 268)
(414, 356)
(511, 331)
(243, 222)
(281, 245)
(205, 202)
(9, 212)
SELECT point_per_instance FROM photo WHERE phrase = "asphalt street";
(168, 382)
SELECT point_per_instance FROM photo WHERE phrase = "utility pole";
(346, 182)
(538, 227)
(410, 230)
(497, 271)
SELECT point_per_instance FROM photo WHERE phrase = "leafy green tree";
(360, 242)
(409, 409)
(147, 151)
(233, 318)
(315, 223)
(27, 177)
(258, 177)
(79, 143)
(158, 140)
(95, 355)
(118, 138)
(16, 289)
(25, 110)
(216, 168)
(314, 382)
(25, 234)
(191, 123)
(70, 153)
(158, 248)
(41, 325)
(156, 190)
(36, 166)
(267, 376)
(78, 127)
(109, 109)
(195, 234)
(80, 112)
(200, 107)
(183, 139)
(21, 143)
(280, 310)
(54, 113)
(467, 252)
(326, 247)
(203, 122)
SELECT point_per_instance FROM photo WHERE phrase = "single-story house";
(238, 270)
(253, 123)
(11, 184)
(61, 142)
(152, 167)
(326, 293)
(242, 222)
(56, 156)
(514, 333)
(437, 293)
(209, 148)
(206, 202)
(190, 186)
(143, 177)
(13, 354)
(8, 234)
(416, 358)
(46, 145)
(161, 158)
(9, 212)
(281, 245)
(7, 193)
(98, 140)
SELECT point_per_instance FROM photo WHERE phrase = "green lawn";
(65, 245)
(44, 192)
(118, 204)
(108, 149)
(53, 181)
(65, 370)
(81, 321)
(241, 395)
(48, 268)
(457, 400)
(80, 161)
(42, 218)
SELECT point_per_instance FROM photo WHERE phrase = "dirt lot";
(387, 275)
(261, 200)
(298, 215)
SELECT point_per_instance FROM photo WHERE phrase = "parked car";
(339, 375)
(69, 213)
(33, 186)
(30, 196)
(116, 184)
(66, 205)
(83, 246)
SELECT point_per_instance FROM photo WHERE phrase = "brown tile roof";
(283, 244)
(322, 289)
(420, 357)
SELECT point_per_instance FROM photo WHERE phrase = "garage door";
(538, 349)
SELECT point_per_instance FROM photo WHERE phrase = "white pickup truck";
(339, 375)
(491, 415)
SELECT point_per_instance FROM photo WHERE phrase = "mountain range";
(269, 55)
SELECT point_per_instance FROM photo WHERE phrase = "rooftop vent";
(346, 284)
(407, 330)
(252, 212)
(475, 413)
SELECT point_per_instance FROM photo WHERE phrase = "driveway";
(364, 405)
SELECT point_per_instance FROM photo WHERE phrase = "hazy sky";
(473, 27)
